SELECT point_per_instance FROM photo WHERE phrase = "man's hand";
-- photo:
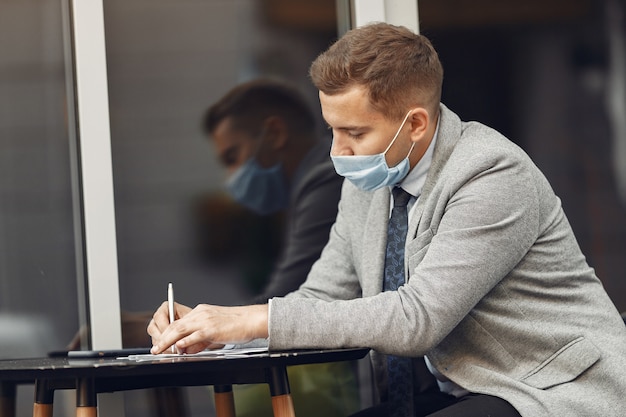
(206, 326)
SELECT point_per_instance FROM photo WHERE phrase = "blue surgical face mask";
(262, 190)
(371, 172)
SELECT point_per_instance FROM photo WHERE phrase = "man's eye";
(229, 159)
(355, 135)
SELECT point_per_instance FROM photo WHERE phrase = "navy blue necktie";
(399, 369)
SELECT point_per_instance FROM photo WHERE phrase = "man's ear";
(419, 120)
(276, 132)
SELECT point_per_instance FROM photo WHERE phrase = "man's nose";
(340, 148)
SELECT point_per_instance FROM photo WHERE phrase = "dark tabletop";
(112, 374)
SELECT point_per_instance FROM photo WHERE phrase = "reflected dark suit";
(314, 195)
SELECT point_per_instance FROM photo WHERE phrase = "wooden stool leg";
(44, 397)
(282, 404)
(8, 391)
(224, 401)
(42, 410)
(86, 398)
(86, 411)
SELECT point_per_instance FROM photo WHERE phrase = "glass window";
(167, 63)
(39, 309)
(38, 285)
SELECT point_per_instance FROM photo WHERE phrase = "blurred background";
(549, 74)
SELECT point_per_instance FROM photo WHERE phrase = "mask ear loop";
(398, 132)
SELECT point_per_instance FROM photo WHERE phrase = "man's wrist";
(261, 321)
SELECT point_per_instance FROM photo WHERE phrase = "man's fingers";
(172, 334)
(192, 348)
(160, 321)
(206, 326)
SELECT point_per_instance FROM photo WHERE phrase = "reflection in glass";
(38, 294)
(166, 65)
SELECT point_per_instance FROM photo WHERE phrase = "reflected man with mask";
(265, 136)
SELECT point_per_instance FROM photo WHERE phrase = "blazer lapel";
(375, 234)
(449, 134)
(375, 242)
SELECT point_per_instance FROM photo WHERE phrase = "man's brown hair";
(250, 103)
(399, 68)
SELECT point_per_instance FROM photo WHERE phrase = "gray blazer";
(499, 296)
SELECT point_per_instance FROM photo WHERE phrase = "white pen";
(170, 304)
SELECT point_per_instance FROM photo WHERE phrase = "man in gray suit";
(498, 298)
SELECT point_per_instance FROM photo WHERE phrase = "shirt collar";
(415, 180)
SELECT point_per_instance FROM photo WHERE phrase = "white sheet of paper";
(227, 351)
